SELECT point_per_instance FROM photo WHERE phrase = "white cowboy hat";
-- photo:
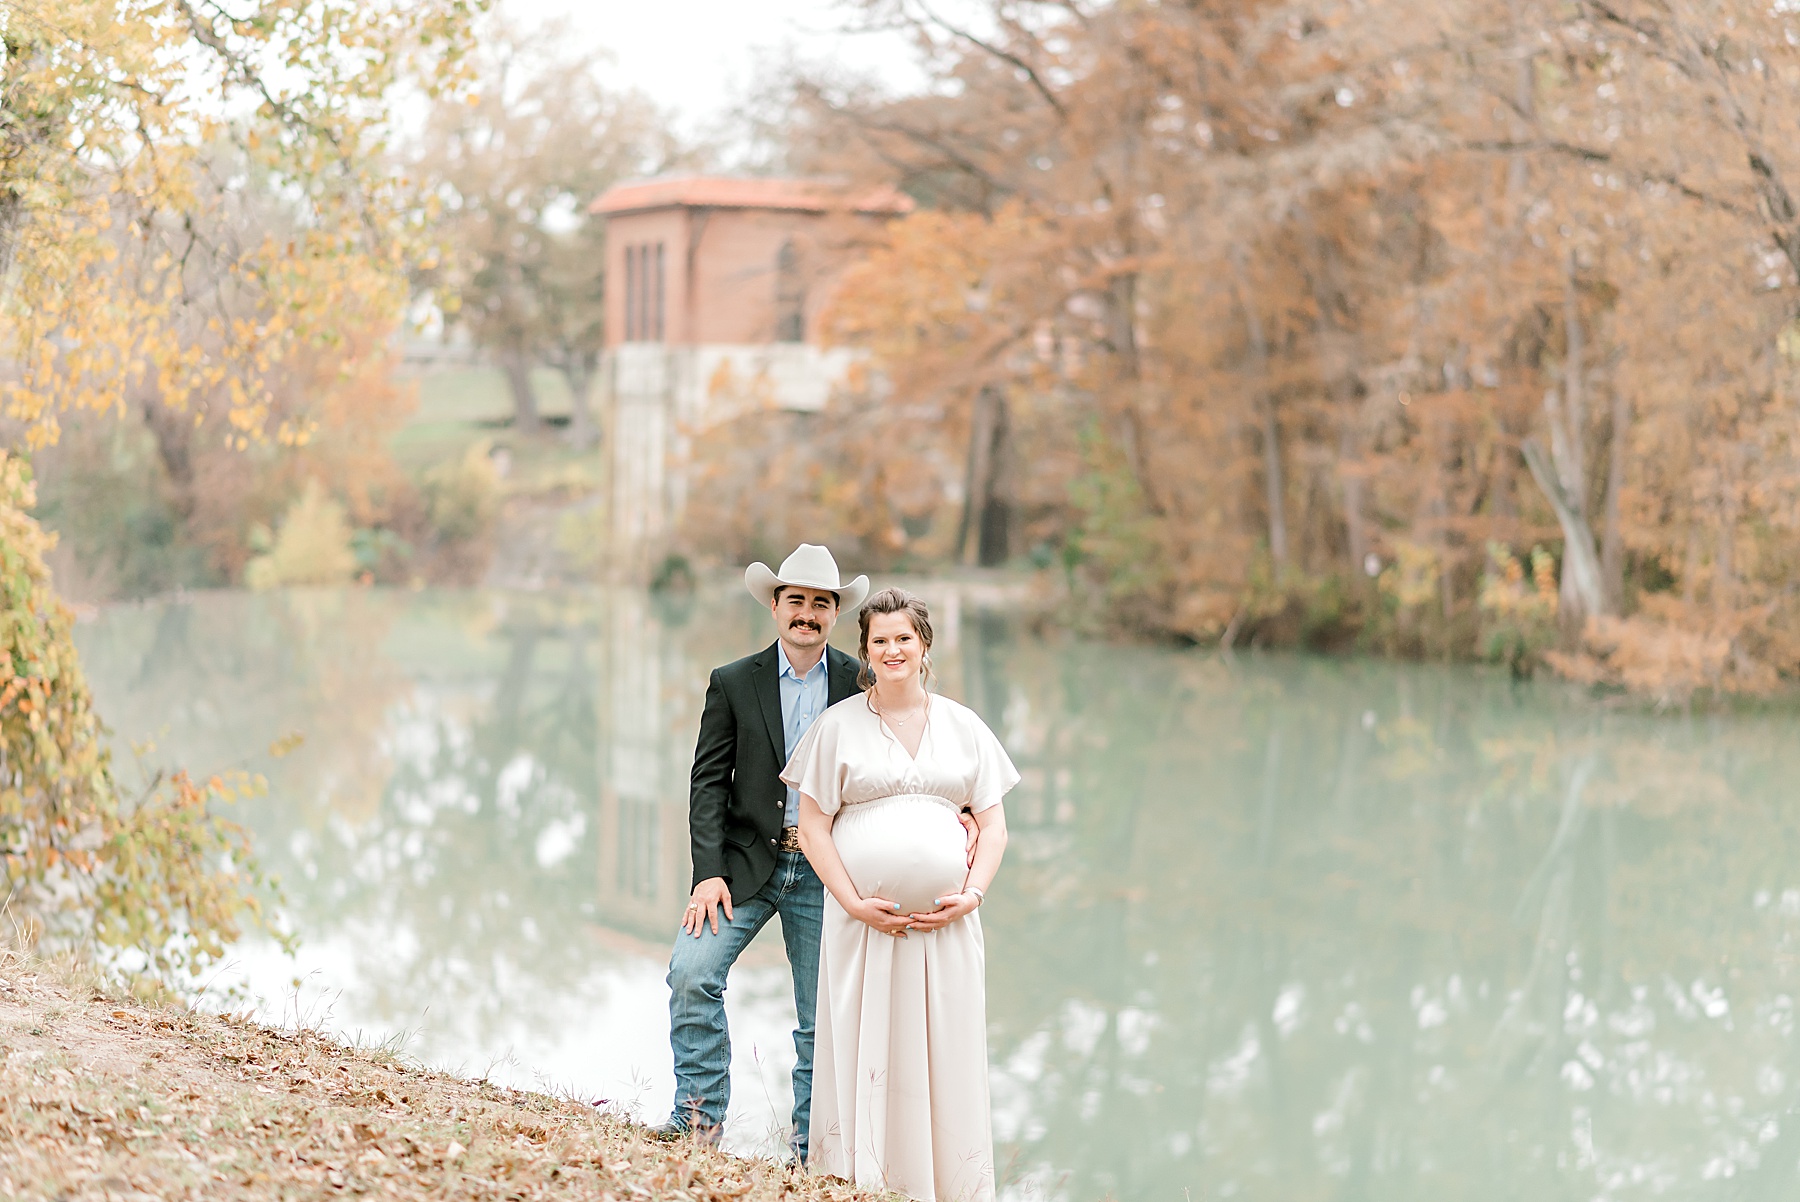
(810, 566)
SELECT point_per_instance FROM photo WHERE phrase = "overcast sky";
(697, 56)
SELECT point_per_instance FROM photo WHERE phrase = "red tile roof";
(720, 192)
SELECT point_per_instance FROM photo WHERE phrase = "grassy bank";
(102, 1097)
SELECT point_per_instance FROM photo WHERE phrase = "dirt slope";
(102, 1098)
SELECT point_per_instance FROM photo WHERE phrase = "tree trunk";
(1337, 364)
(1272, 482)
(1728, 509)
(1120, 308)
(1356, 532)
(1581, 594)
(995, 543)
(584, 434)
(508, 711)
(984, 535)
(1273, 486)
(174, 433)
(1572, 463)
(1518, 173)
(1612, 539)
(1562, 475)
(1690, 563)
(12, 212)
(518, 382)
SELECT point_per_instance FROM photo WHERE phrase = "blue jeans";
(697, 971)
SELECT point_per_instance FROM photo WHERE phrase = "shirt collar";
(787, 669)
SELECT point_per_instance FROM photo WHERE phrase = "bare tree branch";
(1004, 56)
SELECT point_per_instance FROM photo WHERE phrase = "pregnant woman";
(900, 1079)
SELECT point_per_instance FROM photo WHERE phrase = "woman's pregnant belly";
(909, 850)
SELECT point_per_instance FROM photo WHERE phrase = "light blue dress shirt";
(803, 699)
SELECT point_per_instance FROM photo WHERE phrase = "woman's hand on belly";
(951, 908)
(880, 913)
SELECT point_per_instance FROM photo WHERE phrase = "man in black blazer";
(741, 818)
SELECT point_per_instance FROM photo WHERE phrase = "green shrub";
(1518, 615)
(313, 545)
(462, 497)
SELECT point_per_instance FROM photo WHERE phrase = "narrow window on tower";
(790, 296)
(632, 286)
(656, 309)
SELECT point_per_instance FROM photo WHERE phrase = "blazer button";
(773, 843)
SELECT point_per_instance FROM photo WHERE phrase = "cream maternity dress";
(900, 1070)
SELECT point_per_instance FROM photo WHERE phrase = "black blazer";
(736, 800)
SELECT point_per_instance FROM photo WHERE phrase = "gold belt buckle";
(790, 838)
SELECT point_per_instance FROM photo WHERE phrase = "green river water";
(1281, 929)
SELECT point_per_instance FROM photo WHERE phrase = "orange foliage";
(355, 403)
(1292, 313)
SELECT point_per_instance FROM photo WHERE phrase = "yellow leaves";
(1505, 592)
(312, 546)
(1787, 342)
(80, 863)
(1412, 579)
(225, 787)
(107, 296)
(286, 745)
(1518, 615)
(296, 432)
(1543, 574)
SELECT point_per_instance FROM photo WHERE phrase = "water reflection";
(1291, 929)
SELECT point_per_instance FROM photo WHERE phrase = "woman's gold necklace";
(898, 722)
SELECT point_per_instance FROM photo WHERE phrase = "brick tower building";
(714, 288)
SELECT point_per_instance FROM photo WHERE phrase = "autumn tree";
(515, 167)
(196, 212)
(131, 274)
(1320, 317)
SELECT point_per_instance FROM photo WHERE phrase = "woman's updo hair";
(893, 601)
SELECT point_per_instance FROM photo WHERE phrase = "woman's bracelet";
(979, 895)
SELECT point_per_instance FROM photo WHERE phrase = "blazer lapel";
(841, 674)
(767, 676)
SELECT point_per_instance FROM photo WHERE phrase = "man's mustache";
(806, 622)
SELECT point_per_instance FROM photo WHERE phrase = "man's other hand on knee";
(709, 898)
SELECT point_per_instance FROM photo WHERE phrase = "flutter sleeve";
(994, 772)
(816, 768)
